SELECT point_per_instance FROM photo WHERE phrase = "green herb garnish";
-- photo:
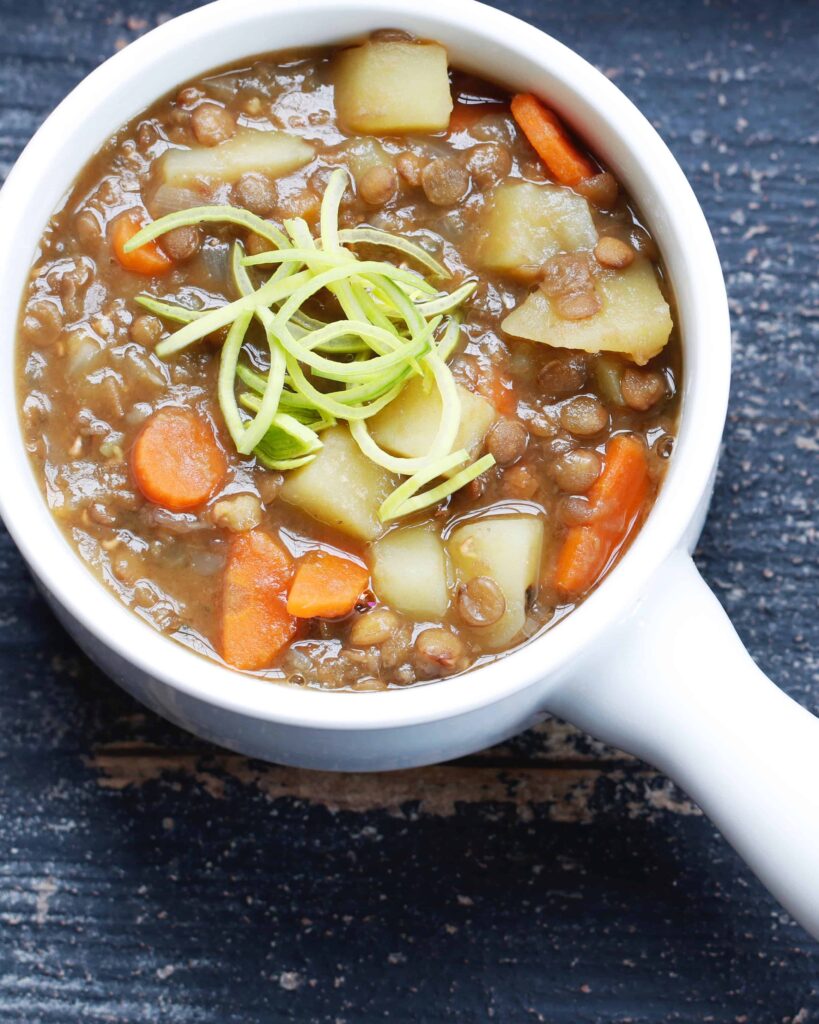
(396, 325)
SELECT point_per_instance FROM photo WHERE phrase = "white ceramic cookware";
(649, 662)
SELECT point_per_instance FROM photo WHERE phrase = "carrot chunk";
(499, 391)
(616, 499)
(326, 585)
(148, 259)
(176, 461)
(548, 137)
(255, 624)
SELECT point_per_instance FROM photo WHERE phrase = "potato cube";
(341, 487)
(273, 153)
(389, 88)
(523, 224)
(410, 573)
(408, 425)
(634, 319)
(507, 549)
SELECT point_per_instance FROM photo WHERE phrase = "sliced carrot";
(548, 137)
(326, 585)
(255, 624)
(176, 461)
(465, 115)
(616, 499)
(148, 259)
(499, 391)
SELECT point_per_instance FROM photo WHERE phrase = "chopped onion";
(176, 522)
(215, 259)
(206, 562)
(172, 199)
(82, 348)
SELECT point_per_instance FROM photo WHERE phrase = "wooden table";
(148, 877)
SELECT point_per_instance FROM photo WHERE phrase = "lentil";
(564, 375)
(444, 181)
(439, 652)
(212, 124)
(146, 330)
(568, 282)
(520, 482)
(409, 166)
(181, 244)
(378, 185)
(374, 628)
(488, 162)
(612, 252)
(600, 189)
(481, 602)
(576, 470)
(506, 441)
(238, 513)
(584, 416)
(642, 389)
(255, 192)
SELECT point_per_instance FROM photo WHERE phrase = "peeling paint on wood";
(573, 794)
(146, 877)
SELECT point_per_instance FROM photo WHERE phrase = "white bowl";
(649, 661)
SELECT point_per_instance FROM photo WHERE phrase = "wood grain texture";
(148, 877)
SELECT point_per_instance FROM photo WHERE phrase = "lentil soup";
(347, 368)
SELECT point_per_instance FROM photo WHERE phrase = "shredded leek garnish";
(388, 333)
(451, 336)
(215, 319)
(447, 303)
(258, 427)
(406, 490)
(286, 441)
(444, 438)
(396, 509)
(207, 214)
(374, 236)
(170, 310)
(228, 361)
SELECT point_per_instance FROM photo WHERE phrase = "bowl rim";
(619, 132)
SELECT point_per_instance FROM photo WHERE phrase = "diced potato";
(524, 224)
(341, 487)
(388, 88)
(273, 153)
(408, 425)
(506, 549)
(410, 574)
(635, 318)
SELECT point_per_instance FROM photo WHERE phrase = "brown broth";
(88, 377)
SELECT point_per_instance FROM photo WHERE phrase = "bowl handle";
(674, 685)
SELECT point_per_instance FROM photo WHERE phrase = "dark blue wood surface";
(148, 877)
